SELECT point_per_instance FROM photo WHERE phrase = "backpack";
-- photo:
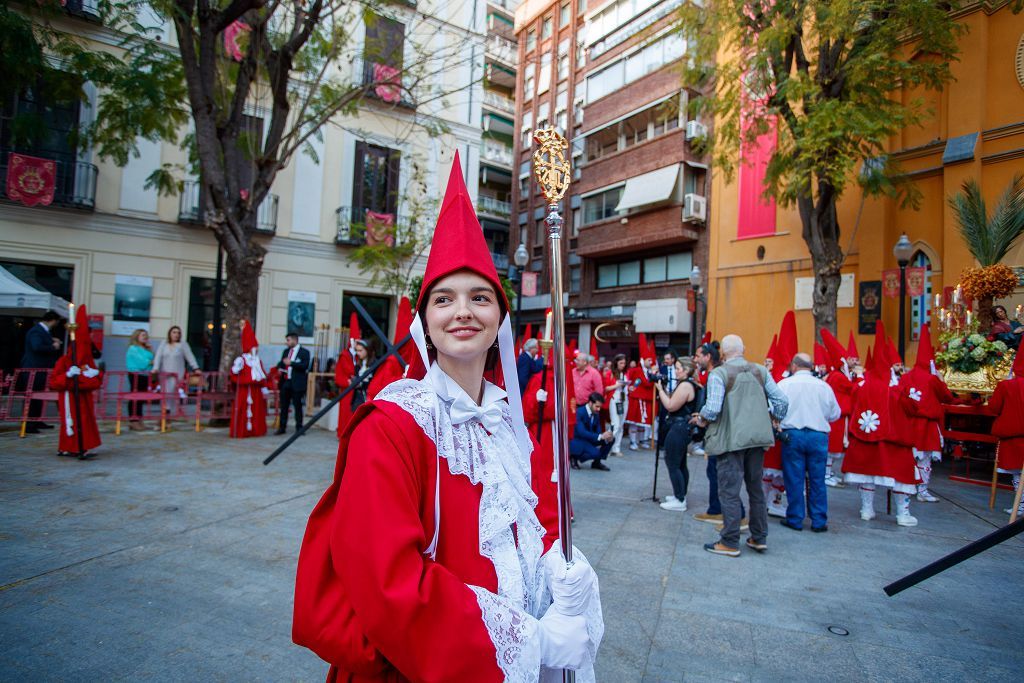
(744, 421)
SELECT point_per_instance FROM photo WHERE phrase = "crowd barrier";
(195, 399)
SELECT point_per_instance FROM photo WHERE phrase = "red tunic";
(542, 460)
(879, 435)
(390, 609)
(343, 372)
(59, 381)
(1007, 402)
(641, 398)
(921, 395)
(842, 387)
(249, 414)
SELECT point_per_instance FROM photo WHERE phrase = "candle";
(547, 325)
(1017, 314)
(71, 312)
(968, 318)
(956, 295)
(938, 300)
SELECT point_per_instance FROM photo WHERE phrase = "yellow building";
(977, 132)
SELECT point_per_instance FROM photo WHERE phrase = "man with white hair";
(586, 379)
(742, 403)
(529, 363)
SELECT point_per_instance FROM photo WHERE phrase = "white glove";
(564, 642)
(90, 372)
(237, 366)
(542, 396)
(265, 391)
(571, 586)
(74, 371)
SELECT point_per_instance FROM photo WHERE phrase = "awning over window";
(649, 188)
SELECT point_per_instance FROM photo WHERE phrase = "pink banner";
(388, 88)
(756, 216)
(916, 280)
(891, 283)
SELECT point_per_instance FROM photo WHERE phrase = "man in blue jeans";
(812, 406)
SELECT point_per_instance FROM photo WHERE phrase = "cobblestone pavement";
(171, 557)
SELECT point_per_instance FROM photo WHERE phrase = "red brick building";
(607, 76)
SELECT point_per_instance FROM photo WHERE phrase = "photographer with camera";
(678, 405)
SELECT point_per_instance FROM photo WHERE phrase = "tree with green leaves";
(829, 72)
(295, 62)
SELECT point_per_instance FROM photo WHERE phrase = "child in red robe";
(426, 559)
(640, 413)
(73, 402)
(1007, 402)
(249, 414)
(922, 393)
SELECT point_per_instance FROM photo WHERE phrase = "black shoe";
(32, 430)
(280, 431)
(65, 454)
(86, 456)
(785, 523)
(574, 463)
(43, 425)
(598, 465)
(819, 529)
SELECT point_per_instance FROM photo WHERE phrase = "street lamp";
(520, 258)
(695, 283)
(903, 251)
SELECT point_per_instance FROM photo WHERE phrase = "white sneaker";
(906, 520)
(867, 515)
(674, 505)
(633, 447)
(776, 511)
(698, 451)
(834, 482)
(668, 499)
(927, 497)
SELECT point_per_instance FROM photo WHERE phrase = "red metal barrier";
(27, 385)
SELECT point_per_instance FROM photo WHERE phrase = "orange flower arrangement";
(988, 282)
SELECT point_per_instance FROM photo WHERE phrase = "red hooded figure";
(640, 411)
(420, 561)
(344, 371)
(391, 370)
(1007, 403)
(838, 378)
(89, 380)
(249, 414)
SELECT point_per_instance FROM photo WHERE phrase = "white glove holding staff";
(564, 643)
(571, 586)
(74, 371)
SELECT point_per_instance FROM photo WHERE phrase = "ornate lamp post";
(903, 250)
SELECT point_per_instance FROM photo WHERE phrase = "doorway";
(45, 277)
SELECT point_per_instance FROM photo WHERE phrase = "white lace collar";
(449, 390)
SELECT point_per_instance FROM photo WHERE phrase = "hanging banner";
(302, 314)
(133, 295)
(916, 280)
(31, 180)
(379, 228)
(529, 283)
(891, 283)
(869, 306)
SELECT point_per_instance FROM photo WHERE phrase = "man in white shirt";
(812, 406)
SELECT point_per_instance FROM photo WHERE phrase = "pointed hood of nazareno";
(593, 346)
(249, 341)
(820, 355)
(458, 242)
(880, 365)
(869, 362)
(789, 344)
(354, 332)
(925, 351)
(706, 339)
(83, 340)
(835, 350)
(851, 347)
(891, 354)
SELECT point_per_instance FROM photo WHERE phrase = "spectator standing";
(805, 430)
(529, 363)
(174, 357)
(363, 361)
(742, 401)
(588, 441)
(586, 379)
(616, 384)
(41, 352)
(139, 363)
(678, 406)
(294, 367)
(707, 358)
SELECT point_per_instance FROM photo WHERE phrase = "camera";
(697, 433)
(782, 436)
(662, 378)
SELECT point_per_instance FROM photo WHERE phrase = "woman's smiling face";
(462, 315)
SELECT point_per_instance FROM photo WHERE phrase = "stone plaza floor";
(171, 557)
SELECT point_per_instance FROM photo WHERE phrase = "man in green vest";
(743, 404)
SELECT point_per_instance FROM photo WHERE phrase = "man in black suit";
(529, 363)
(294, 366)
(41, 351)
(588, 441)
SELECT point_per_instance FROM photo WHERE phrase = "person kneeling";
(588, 441)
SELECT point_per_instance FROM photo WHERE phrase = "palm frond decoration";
(989, 240)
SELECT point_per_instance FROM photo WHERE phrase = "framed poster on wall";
(869, 306)
(302, 314)
(133, 296)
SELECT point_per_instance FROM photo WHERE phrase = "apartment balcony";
(266, 215)
(500, 103)
(75, 183)
(191, 210)
(501, 50)
(500, 262)
(497, 154)
(493, 206)
(85, 9)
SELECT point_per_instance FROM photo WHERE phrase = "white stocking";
(867, 498)
(924, 466)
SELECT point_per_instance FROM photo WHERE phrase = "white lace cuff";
(514, 634)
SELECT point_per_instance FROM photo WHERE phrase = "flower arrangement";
(988, 282)
(967, 351)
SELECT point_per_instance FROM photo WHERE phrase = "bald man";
(805, 429)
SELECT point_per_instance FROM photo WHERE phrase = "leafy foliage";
(990, 239)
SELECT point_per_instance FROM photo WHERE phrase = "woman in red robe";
(71, 409)
(1007, 403)
(425, 560)
(249, 413)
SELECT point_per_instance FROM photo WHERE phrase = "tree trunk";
(240, 292)
(985, 314)
(821, 234)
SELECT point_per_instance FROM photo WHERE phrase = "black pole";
(903, 311)
(956, 557)
(215, 338)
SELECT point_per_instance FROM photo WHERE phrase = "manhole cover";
(169, 508)
(45, 483)
(838, 631)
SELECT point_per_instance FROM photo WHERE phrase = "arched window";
(921, 306)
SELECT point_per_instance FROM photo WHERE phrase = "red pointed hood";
(570, 350)
(458, 242)
(835, 350)
(869, 362)
(771, 347)
(880, 361)
(706, 339)
(653, 353)
(891, 354)
(404, 319)
(645, 348)
(249, 341)
(925, 350)
(851, 347)
(83, 340)
(820, 355)
(789, 344)
(354, 332)
(528, 334)
(593, 346)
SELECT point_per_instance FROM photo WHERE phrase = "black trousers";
(291, 396)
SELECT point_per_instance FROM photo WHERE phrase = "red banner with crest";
(891, 283)
(31, 180)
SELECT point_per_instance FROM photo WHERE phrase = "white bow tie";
(490, 416)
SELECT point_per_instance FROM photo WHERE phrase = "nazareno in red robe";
(369, 599)
(249, 413)
(921, 396)
(641, 398)
(842, 387)
(1007, 403)
(879, 452)
(343, 373)
(542, 460)
(88, 382)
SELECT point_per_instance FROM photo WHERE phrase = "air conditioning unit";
(695, 208)
(695, 129)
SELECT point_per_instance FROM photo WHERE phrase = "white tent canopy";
(18, 298)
